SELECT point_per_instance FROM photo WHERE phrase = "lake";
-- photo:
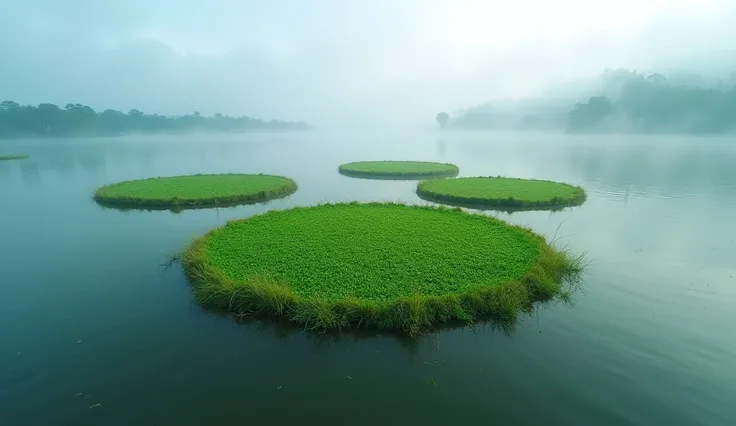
(91, 317)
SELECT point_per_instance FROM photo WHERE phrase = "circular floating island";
(398, 170)
(181, 192)
(499, 192)
(14, 157)
(375, 265)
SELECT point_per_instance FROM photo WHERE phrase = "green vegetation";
(657, 104)
(511, 193)
(617, 101)
(13, 157)
(48, 120)
(376, 265)
(398, 169)
(195, 191)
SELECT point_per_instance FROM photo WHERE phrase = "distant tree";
(49, 107)
(590, 115)
(442, 119)
(657, 78)
(9, 105)
(654, 104)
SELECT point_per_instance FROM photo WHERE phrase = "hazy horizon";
(332, 62)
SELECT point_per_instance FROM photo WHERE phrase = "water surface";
(89, 316)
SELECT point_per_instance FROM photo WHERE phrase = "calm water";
(89, 316)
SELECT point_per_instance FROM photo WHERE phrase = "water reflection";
(5, 169)
(504, 209)
(647, 167)
(283, 329)
(441, 148)
(371, 176)
(30, 172)
(107, 205)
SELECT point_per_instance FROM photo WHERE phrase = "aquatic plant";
(398, 169)
(375, 265)
(13, 157)
(195, 190)
(514, 193)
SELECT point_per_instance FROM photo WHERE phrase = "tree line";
(652, 104)
(49, 120)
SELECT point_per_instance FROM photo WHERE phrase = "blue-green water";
(89, 316)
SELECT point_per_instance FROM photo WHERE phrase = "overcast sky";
(326, 61)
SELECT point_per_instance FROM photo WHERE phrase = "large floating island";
(375, 265)
(180, 192)
(501, 192)
(398, 170)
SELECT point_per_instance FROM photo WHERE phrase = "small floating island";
(501, 192)
(14, 157)
(375, 265)
(180, 192)
(398, 170)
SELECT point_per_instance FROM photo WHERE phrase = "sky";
(332, 62)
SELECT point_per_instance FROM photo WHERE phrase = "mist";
(334, 63)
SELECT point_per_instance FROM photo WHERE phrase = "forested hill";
(49, 120)
(619, 101)
(655, 104)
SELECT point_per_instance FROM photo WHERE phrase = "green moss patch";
(13, 157)
(378, 265)
(195, 191)
(398, 169)
(501, 192)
